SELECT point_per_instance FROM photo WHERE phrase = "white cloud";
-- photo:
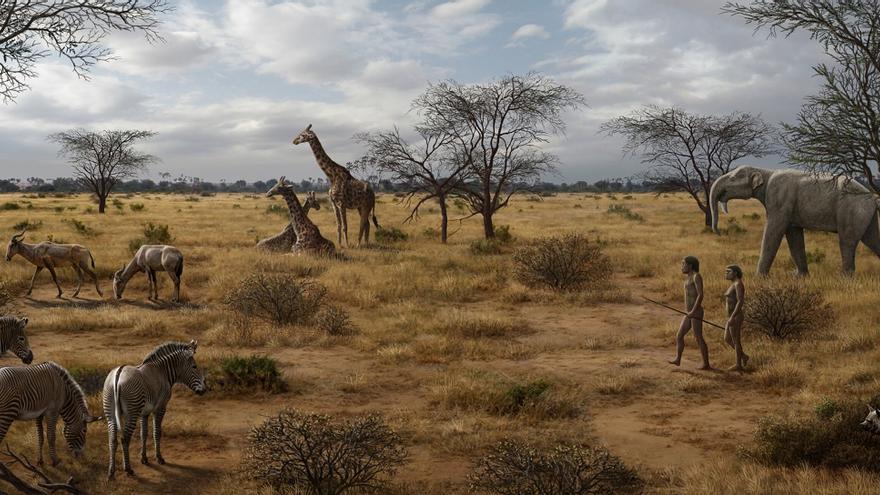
(530, 31)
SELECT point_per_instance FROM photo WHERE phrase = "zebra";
(13, 338)
(45, 391)
(135, 392)
(872, 420)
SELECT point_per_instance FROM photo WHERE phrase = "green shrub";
(80, 227)
(10, 206)
(625, 212)
(522, 395)
(152, 234)
(251, 373)
(136, 206)
(118, 204)
(503, 235)
(90, 378)
(390, 235)
(277, 209)
(485, 247)
(58, 209)
(827, 408)
(567, 263)
(27, 225)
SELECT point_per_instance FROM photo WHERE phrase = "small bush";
(390, 235)
(207, 194)
(485, 247)
(733, 228)
(278, 298)
(152, 234)
(625, 212)
(503, 235)
(251, 373)
(27, 225)
(192, 199)
(10, 206)
(80, 227)
(788, 312)
(568, 263)
(118, 204)
(515, 468)
(312, 453)
(334, 321)
(277, 209)
(136, 206)
(89, 378)
(58, 209)
(817, 256)
(827, 408)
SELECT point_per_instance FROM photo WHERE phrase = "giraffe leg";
(344, 225)
(338, 223)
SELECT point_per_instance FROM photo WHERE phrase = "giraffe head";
(307, 135)
(312, 201)
(276, 189)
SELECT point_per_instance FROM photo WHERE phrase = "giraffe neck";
(333, 170)
(299, 220)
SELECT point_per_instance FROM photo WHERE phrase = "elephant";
(794, 201)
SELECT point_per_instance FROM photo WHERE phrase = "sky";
(235, 80)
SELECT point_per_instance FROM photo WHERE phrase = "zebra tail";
(180, 268)
(117, 403)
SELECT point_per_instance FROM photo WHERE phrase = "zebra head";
(872, 420)
(118, 283)
(75, 431)
(13, 338)
(188, 371)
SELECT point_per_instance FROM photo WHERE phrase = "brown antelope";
(151, 259)
(49, 255)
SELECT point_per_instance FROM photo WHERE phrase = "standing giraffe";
(346, 192)
(308, 237)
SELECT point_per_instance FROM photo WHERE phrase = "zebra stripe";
(133, 393)
(44, 391)
(13, 338)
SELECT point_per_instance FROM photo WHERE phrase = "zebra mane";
(79, 395)
(9, 321)
(165, 350)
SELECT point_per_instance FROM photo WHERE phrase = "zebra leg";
(34, 278)
(111, 435)
(39, 422)
(51, 422)
(127, 433)
(79, 279)
(158, 415)
(54, 279)
(144, 433)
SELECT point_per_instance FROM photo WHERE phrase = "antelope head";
(14, 245)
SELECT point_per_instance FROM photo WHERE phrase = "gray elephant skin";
(795, 201)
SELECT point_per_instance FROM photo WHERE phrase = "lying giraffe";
(308, 237)
(346, 192)
(284, 241)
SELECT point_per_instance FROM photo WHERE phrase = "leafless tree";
(429, 168)
(688, 151)
(31, 30)
(837, 130)
(497, 129)
(101, 159)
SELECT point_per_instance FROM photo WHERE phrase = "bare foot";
(676, 362)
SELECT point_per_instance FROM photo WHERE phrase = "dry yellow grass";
(442, 332)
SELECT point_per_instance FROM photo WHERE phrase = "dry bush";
(278, 298)
(335, 321)
(313, 453)
(539, 399)
(788, 312)
(513, 468)
(567, 263)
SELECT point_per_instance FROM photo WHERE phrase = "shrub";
(152, 234)
(828, 439)
(817, 256)
(390, 235)
(136, 206)
(334, 321)
(567, 263)
(89, 378)
(625, 212)
(277, 209)
(118, 204)
(503, 235)
(80, 227)
(58, 209)
(827, 408)
(515, 468)
(278, 298)
(485, 247)
(27, 225)
(788, 312)
(251, 373)
(10, 206)
(312, 453)
(733, 228)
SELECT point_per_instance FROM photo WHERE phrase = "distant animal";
(284, 241)
(872, 420)
(795, 201)
(49, 255)
(308, 236)
(44, 392)
(151, 259)
(345, 193)
(133, 393)
(13, 338)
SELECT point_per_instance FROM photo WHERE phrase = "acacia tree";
(429, 168)
(31, 30)
(497, 129)
(688, 151)
(101, 159)
(838, 130)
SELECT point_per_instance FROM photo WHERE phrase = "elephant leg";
(848, 256)
(773, 233)
(798, 249)
(872, 237)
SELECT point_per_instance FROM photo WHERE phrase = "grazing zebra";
(44, 391)
(135, 392)
(872, 420)
(13, 338)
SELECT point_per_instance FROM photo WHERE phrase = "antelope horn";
(18, 236)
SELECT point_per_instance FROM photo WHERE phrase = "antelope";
(49, 255)
(151, 259)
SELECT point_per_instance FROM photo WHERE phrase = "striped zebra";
(872, 420)
(13, 338)
(133, 393)
(44, 391)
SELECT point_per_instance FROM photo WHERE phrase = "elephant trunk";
(714, 195)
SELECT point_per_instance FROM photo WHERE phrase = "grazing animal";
(872, 420)
(44, 392)
(308, 237)
(284, 241)
(346, 192)
(49, 255)
(151, 259)
(13, 338)
(133, 393)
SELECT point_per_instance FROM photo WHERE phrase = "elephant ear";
(756, 180)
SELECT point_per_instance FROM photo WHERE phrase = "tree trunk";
(102, 204)
(488, 227)
(444, 219)
(708, 213)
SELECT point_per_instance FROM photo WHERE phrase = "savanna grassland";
(443, 334)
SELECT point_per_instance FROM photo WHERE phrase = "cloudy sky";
(235, 80)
